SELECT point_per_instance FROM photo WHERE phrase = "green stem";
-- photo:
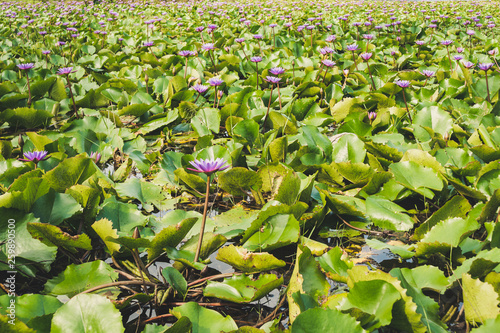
(371, 77)
(202, 229)
(29, 89)
(487, 86)
(406, 104)
(257, 70)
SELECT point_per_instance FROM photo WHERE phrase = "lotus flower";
(208, 166)
(34, 156)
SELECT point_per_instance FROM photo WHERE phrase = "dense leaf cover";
(363, 145)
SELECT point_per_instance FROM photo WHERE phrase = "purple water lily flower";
(366, 56)
(403, 83)
(446, 42)
(34, 156)
(65, 71)
(256, 59)
(200, 88)
(215, 81)
(208, 46)
(372, 115)
(353, 47)
(277, 70)
(328, 63)
(95, 156)
(485, 66)
(428, 73)
(187, 53)
(468, 64)
(26, 67)
(148, 44)
(239, 40)
(273, 79)
(208, 166)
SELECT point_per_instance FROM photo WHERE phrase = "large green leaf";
(170, 236)
(426, 306)
(480, 300)
(53, 235)
(26, 247)
(31, 306)
(55, 207)
(248, 262)
(314, 281)
(417, 178)
(387, 215)
(71, 171)
(432, 117)
(455, 207)
(242, 288)
(376, 298)
(78, 278)
(325, 320)
(334, 265)
(451, 231)
(141, 190)
(280, 230)
(26, 117)
(87, 313)
(125, 217)
(204, 320)
(238, 181)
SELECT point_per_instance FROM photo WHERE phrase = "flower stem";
(371, 77)
(215, 96)
(406, 104)
(279, 95)
(354, 59)
(29, 89)
(202, 229)
(268, 107)
(487, 86)
(257, 71)
(449, 58)
(72, 97)
(186, 69)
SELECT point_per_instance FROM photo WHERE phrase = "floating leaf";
(238, 181)
(78, 278)
(87, 313)
(279, 230)
(53, 235)
(170, 236)
(104, 228)
(248, 262)
(334, 266)
(386, 214)
(480, 300)
(243, 289)
(204, 320)
(325, 320)
(417, 178)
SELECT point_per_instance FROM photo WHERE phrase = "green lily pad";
(242, 288)
(87, 313)
(248, 262)
(325, 320)
(204, 320)
(279, 230)
(53, 235)
(78, 278)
